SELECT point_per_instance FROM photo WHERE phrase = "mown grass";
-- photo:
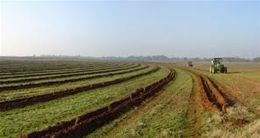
(250, 75)
(61, 72)
(233, 67)
(242, 79)
(242, 82)
(163, 116)
(18, 94)
(246, 90)
(225, 126)
(20, 121)
(64, 78)
(29, 65)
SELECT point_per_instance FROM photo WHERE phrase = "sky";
(131, 28)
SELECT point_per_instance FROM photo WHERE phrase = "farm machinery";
(189, 64)
(216, 66)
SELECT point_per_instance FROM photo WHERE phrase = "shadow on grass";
(235, 72)
(231, 102)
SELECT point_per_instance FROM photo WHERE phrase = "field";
(87, 98)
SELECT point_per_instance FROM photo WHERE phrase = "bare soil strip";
(232, 93)
(87, 123)
(205, 96)
(67, 75)
(195, 106)
(210, 95)
(19, 103)
(33, 85)
(216, 96)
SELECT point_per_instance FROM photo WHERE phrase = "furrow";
(19, 103)
(88, 122)
(34, 85)
(67, 75)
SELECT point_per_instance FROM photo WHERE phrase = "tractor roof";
(217, 58)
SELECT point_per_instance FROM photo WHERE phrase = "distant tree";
(235, 59)
(257, 59)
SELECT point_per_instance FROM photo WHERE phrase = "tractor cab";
(215, 61)
(189, 63)
(216, 66)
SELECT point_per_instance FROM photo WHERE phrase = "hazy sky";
(124, 28)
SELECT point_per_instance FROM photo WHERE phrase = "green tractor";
(216, 66)
(189, 63)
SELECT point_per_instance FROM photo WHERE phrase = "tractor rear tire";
(213, 70)
(225, 71)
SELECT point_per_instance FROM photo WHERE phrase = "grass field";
(128, 99)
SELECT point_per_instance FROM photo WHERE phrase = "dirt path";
(211, 97)
(205, 97)
(236, 115)
(235, 94)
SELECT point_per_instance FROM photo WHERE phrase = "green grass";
(242, 80)
(18, 94)
(218, 125)
(247, 90)
(66, 78)
(20, 121)
(62, 72)
(166, 117)
(24, 65)
(250, 76)
(163, 116)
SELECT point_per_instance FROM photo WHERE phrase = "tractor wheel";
(213, 70)
(225, 71)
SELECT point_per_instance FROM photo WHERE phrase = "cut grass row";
(163, 116)
(238, 119)
(57, 79)
(25, 93)
(24, 120)
(236, 74)
(242, 81)
(64, 81)
(8, 105)
(90, 121)
(58, 72)
(64, 75)
(31, 66)
(243, 90)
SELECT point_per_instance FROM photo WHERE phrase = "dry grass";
(225, 125)
(252, 130)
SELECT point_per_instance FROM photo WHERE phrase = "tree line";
(180, 59)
